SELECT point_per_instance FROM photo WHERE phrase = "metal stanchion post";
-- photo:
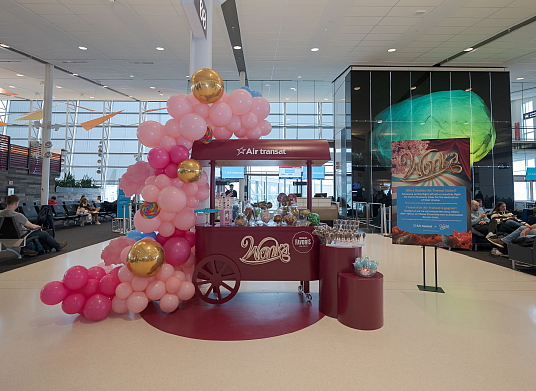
(390, 214)
(367, 214)
(129, 215)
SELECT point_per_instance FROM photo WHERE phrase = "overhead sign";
(529, 115)
(531, 174)
(290, 172)
(196, 13)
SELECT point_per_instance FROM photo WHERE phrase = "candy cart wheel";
(220, 275)
(300, 288)
(308, 297)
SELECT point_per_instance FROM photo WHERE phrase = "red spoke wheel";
(220, 276)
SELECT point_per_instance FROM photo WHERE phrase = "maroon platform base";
(360, 302)
(249, 315)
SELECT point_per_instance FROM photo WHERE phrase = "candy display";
(208, 137)
(278, 219)
(290, 219)
(265, 216)
(149, 210)
(241, 220)
(314, 218)
(365, 267)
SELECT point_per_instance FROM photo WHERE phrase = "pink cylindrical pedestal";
(332, 261)
(360, 301)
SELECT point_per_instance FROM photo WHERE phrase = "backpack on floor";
(34, 244)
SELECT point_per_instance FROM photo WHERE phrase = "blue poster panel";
(122, 199)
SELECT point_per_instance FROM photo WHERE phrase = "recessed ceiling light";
(131, 75)
(315, 49)
(293, 88)
(152, 88)
(91, 97)
(187, 76)
(468, 89)
(287, 98)
(20, 75)
(267, 85)
(104, 86)
(468, 49)
(82, 48)
(75, 74)
(357, 88)
(420, 12)
(379, 121)
(159, 48)
(4, 45)
(58, 87)
(413, 88)
(326, 99)
(299, 77)
(237, 47)
(53, 97)
(12, 87)
(391, 50)
(161, 94)
(520, 78)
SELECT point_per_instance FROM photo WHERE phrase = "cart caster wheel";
(220, 275)
(300, 289)
(309, 297)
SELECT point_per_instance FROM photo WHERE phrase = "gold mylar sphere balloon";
(145, 258)
(207, 85)
(189, 171)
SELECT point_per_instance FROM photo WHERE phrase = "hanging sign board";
(196, 13)
(529, 115)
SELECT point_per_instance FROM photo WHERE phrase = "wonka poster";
(430, 187)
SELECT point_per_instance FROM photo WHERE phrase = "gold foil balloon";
(145, 258)
(207, 85)
(189, 171)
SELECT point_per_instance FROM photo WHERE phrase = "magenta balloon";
(53, 292)
(158, 171)
(161, 238)
(190, 237)
(202, 109)
(179, 153)
(249, 120)
(169, 302)
(97, 307)
(95, 272)
(168, 142)
(91, 287)
(220, 114)
(260, 107)
(162, 181)
(107, 284)
(254, 134)
(158, 158)
(179, 233)
(234, 124)
(177, 251)
(150, 133)
(172, 128)
(265, 127)
(146, 225)
(171, 170)
(115, 271)
(171, 200)
(222, 133)
(166, 229)
(75, 277)
(178, 106)
(241, 133)
(185, 219)
(240, 101)
(193, 126)
(73, 303)
(150, 193)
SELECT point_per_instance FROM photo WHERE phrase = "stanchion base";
(430, 289)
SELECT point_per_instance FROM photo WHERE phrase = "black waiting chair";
(29, 212)
(12, 236)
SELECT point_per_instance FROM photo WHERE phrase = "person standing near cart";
(231, 192)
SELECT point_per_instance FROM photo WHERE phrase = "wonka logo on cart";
(260, 151)
(267, 250)
(303, 242)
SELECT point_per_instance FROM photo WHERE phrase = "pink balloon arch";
(167, 213)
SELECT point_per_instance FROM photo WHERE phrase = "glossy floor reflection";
(479, 335)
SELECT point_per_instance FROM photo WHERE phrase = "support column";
(47, 120)
(201, 48)
(242, 78)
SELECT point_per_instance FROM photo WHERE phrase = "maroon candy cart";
(228, 255)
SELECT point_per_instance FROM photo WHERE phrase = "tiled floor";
(479, 335)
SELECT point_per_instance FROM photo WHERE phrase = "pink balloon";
(107, 284)
(139, 284)
(171, 170)
(147, 225)
(97, 307)
(167, 143)
(187, 291)
(260, 107)
(166, 229)
(190, 237)
(190, 262)
(224, 98)
(169, 303)
(202, 109)
(91, 287)
(75, 277)
(162, 181)
(177, 251)
(150, 180)
(95, 272)
(193, 126)
(124, 254)
(185, 219)
(179, 153)
(220, 114)
(173, 284)
(254, 134)
(240, 101)
(137, 302)
(241, 132)
(192, 202)
(172, 128)
(203, 180)
(155, 290)
(108, 268)
(119, 306)
(73, 303)
(176, 182)
(165, 216)
(180, 275)
(190, 189)
(161, 239)
(222, 133)
(123, 290)
(125, 275)
(202, 194)
(133, 181)
(150, 193)
(178, 106)
(158, 158)
(165, 272)
(192, 99)
(234, 124)
(53, 292)
(171, 200)
(150, 133)
(183, 141)
(249, 120)
(265, 127)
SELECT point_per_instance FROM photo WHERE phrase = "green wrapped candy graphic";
(443, 114)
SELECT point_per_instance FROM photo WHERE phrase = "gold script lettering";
(429, 165)
(267, 250)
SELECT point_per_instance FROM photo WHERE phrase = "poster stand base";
(424, 287)
(436, 289)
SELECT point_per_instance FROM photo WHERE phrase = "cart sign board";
(430, 184)
(531, 174)
(290, 172)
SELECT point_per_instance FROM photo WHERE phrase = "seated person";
(520, 231)
(46, 240)
(52, 201)
(503, 221)
(84, 207)
(479, 220)
(481, 206)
